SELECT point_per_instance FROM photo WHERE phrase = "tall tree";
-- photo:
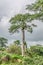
(3, 42)
(37, 7)
(21, 22)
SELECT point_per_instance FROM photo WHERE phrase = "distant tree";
(17, 42)
(3, 42)
(21, 22)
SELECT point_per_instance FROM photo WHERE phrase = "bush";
(2, 48)
(6, 58)
(14, 49)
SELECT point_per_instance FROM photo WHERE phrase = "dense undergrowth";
(33, 56)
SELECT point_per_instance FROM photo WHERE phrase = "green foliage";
(14, 49)
(16, 56)
(2, 49)
(20, 22)
(37, 8)
(17, 42)
(3, 42)
(34, 56)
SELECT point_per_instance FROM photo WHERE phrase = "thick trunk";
(23, 41)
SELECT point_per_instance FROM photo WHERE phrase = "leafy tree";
(17, 42)
(3, 42)
(21, 22)
(37, 7)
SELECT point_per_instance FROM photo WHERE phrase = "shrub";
(2, 48)
(14, 49)
(6, 58)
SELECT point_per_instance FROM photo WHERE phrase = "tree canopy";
(37, 7)
(20, 21)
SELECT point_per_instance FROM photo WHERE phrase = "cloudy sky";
(8, 8)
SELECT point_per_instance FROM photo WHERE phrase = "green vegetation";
(37, 8)
(33, 56)
(3, 42)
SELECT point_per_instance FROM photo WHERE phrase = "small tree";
(3, 42)
(17, 42)
(21, 22)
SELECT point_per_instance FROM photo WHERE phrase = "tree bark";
(23, 41)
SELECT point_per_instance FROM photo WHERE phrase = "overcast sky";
(8, 8)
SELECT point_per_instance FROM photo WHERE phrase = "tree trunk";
(23, 41)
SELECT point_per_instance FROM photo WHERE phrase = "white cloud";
(33, 43)
(4, 22)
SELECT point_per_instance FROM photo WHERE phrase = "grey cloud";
(11, 7)
(37, 34)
